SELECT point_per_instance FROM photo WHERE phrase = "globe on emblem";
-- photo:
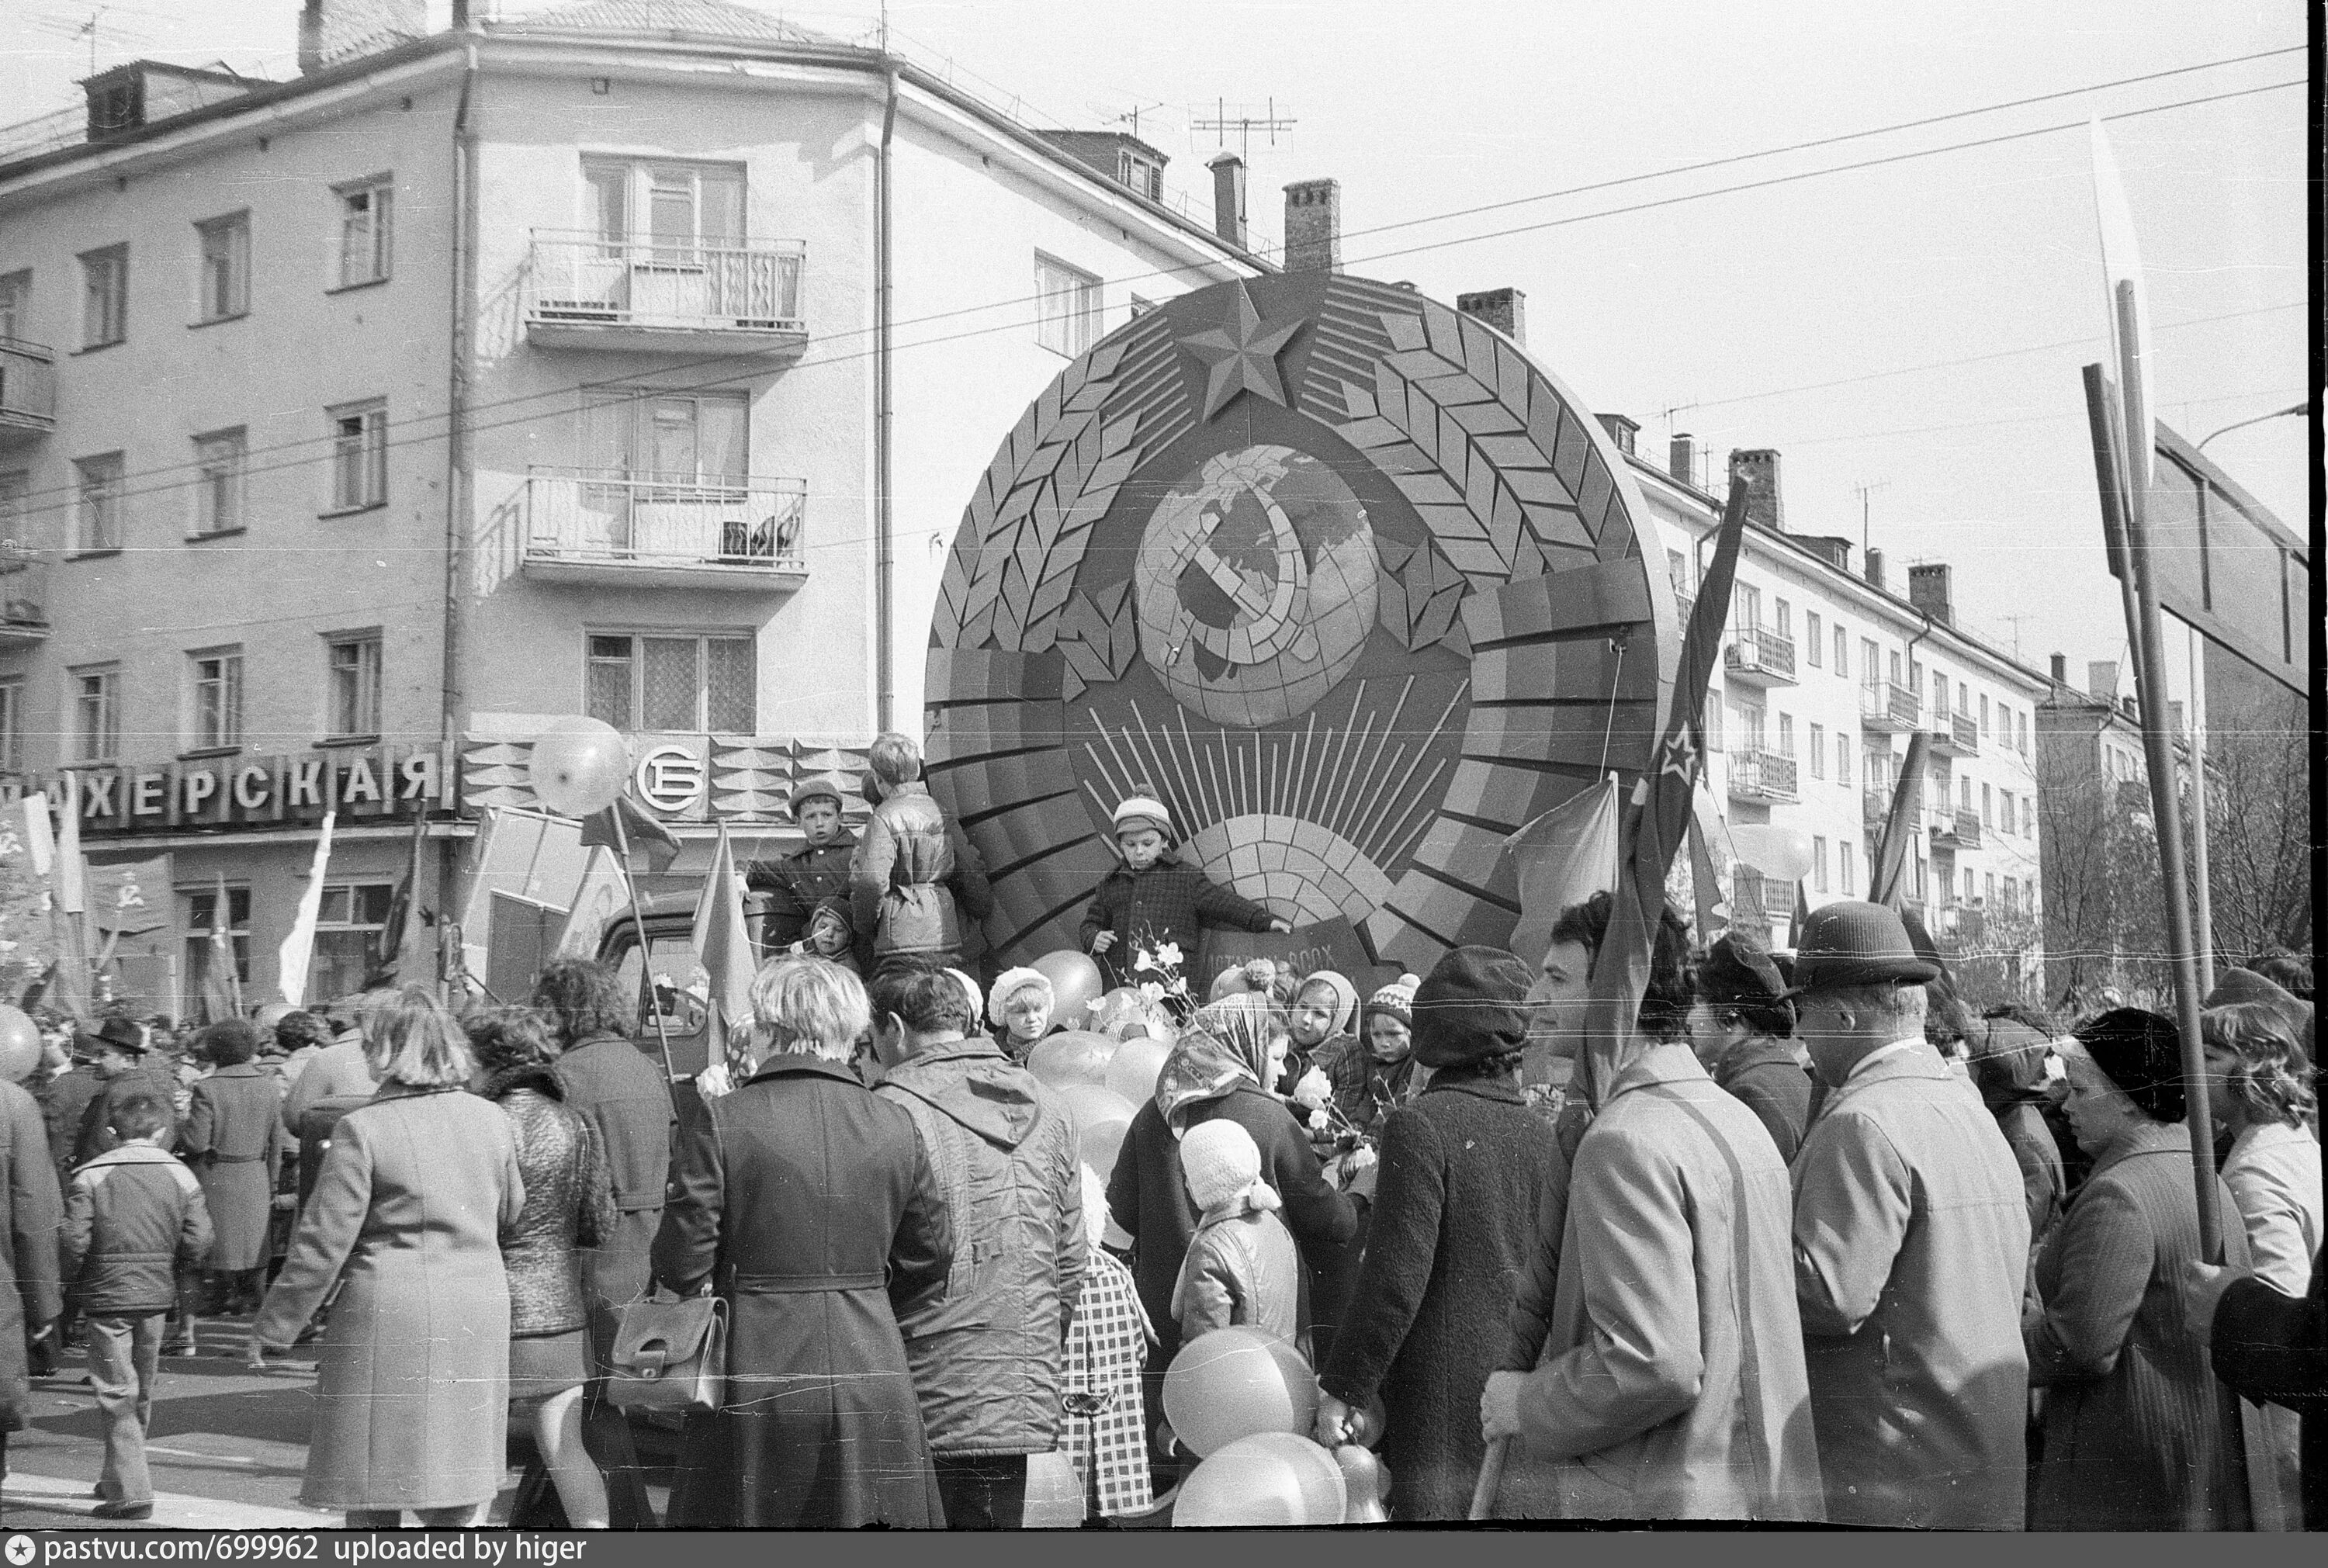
(1256, 586)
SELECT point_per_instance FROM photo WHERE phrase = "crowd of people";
(1819, 1246)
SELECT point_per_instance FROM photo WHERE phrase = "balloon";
(1101, 1118)
(1271, 1478)
(1134, 1068)
(1232, 1383)
(1055, 1498)
(579, 765)
(1782, 854)
(1075, 982)
(20, 1044)
(1077, 1057)
(1365, 1481)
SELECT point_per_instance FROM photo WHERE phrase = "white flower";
(1318, 1120)
(1314, 1089)
(712, 1081)
(1152, 993)
(1362, 1157)
(1167, 955)
(1144, 960)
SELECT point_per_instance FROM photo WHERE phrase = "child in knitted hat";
(1152, 901)
(1019, 1007)
(831, 933)
(1369, 1081)
(1242, 1266)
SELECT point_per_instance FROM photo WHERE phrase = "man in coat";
(1670, 1384)
(987, 1356)
(1911, 1247)
(126, 1064)
(622, 1094)
(233, 1143)
(817, 870)
(915, 875)
(31, 1218)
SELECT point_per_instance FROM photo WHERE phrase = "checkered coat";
(1167, 902)
(1106, 1349)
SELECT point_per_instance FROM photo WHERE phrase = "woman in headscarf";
(1224, 1055)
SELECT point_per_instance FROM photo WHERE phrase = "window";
(2028, 818)
(15, 487)
(1746, 724)
(1988, 888)
(644, 681)
(1843, 760)
(1867, 666)
(1818, 749)
(1818, 864)
(1786, 735)
(1066, 306)
(359, 456)
(1748, 602)
(1921, 895)
(352, 679)
(2021, 733)
(17, 305)
(349, 923)
(1964, 699)
(218, 481)
(226, 267)
(1785, 623)
(217, 699)
(1848, 875)
(1987, 819)
(1141, 174)
(1892, 665)
(1842, 653)
(201, 919)
(367, 213)
(11, 726)
(97, 519)
(1964, 796)
(97, 713)
(105, 297)
(1984, 718)
(677, 209)
(1939, 697)
(1813, 640)
(699, 439)
(1677, 572)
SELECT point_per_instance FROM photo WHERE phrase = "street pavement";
(226, 1447)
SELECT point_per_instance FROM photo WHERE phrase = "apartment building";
(621, 359)
(1827, 675)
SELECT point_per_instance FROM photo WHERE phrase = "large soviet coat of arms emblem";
(1340, 575)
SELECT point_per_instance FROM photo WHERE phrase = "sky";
(1908, 336)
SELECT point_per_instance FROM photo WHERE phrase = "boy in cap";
(1153, 898)
(812, 873)
(1911, 1247)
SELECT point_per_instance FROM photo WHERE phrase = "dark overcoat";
(31, 1215)
(621, 1093)
(233, 1141)
(810, 1203)
(1464, 1168)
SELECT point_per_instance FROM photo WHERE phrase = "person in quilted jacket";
(1243, 1267)
(914, 877)
(569, 1204)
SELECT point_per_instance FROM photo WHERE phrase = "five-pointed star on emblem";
(1240, 355)
(1681, 755)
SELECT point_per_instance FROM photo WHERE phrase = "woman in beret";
(1740, 1026)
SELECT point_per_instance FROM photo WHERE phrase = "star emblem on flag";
(1680, 754)
(1240, 355)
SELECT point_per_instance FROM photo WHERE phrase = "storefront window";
(201, 917)
(347, 938)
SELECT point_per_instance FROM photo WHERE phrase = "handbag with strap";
(669, 1353)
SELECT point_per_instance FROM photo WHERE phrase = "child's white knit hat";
(1137, 811)
(1219, 1161)
(1013, 982)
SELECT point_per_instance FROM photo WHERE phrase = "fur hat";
(1219, 1163)
(1137, 811)
(1473, 1005)
(1397, 999)
(1009, 985)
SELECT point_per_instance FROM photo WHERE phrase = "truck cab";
(671, 1010)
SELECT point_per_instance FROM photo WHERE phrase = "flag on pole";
(2129, 317)
(1889, 886)
(70, 900)
(724, 945)
(219, 985)
(598, 899)
(649, 844)
(72, 872)
(298, 949)
(1658, 824)
(407, 950)
(39, 835)
(1566, 856)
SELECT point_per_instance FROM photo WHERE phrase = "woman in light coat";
(421, 1183)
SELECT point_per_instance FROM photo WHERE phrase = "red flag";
(1566, 855)
(1657, 822)
(723, 942)
(646, 837)
(1889, 886)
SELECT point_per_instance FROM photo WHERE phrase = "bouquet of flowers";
(1161, 986)
(1348, 1153)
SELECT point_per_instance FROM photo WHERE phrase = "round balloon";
(1781, 854)
(1134, 1068)
(20, 1044)
(1270, 1477)
(1076, 983)
(1101, 1117)
(1232, 1383)
(1077, 1057)
(579, 767)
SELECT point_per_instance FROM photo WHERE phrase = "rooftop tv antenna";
(1131, 116)
(1866, 512)
(1222, 122)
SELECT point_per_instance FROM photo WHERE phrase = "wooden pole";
(639, 915)
(2125, 505)
(1491, 1480)
(2201, 896)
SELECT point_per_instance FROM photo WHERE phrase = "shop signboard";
(377, 784)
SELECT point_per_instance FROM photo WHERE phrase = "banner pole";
(639, 915)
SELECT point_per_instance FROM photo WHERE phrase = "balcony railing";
(1761, 656)
(1749, 891)
(1683, 603)
(1887, 706)
(592, 525)
(1958, 737)
(28, 392)
(1959, 828)
(1762, 775)
(586, 290)
(1875, 810)
(23, 597)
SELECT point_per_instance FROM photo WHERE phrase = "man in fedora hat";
(125, 1065)
(1911, 1247)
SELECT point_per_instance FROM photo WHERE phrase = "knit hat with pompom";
(1397, 999)
(1219, 1161)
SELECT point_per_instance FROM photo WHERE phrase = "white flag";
(299, 948)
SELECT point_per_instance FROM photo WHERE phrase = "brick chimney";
(1622, 430)
(331, 31)
(2101, 679)
(2060, 670)
(1313, 226)
(1875, 568)
(1229, 198)
(1504, 309)
(1681, 458)
(1759, 467)
(1927, 590)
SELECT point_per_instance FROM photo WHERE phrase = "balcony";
(1957, 829)
(1759, 657)
(1762, 775)
(584, 291)
(1960, 736)
(23, 597)
(1875, 811)
(1890, 709)
(605, 528)
(1749, 895)
(1685, 604)
(28, 393)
